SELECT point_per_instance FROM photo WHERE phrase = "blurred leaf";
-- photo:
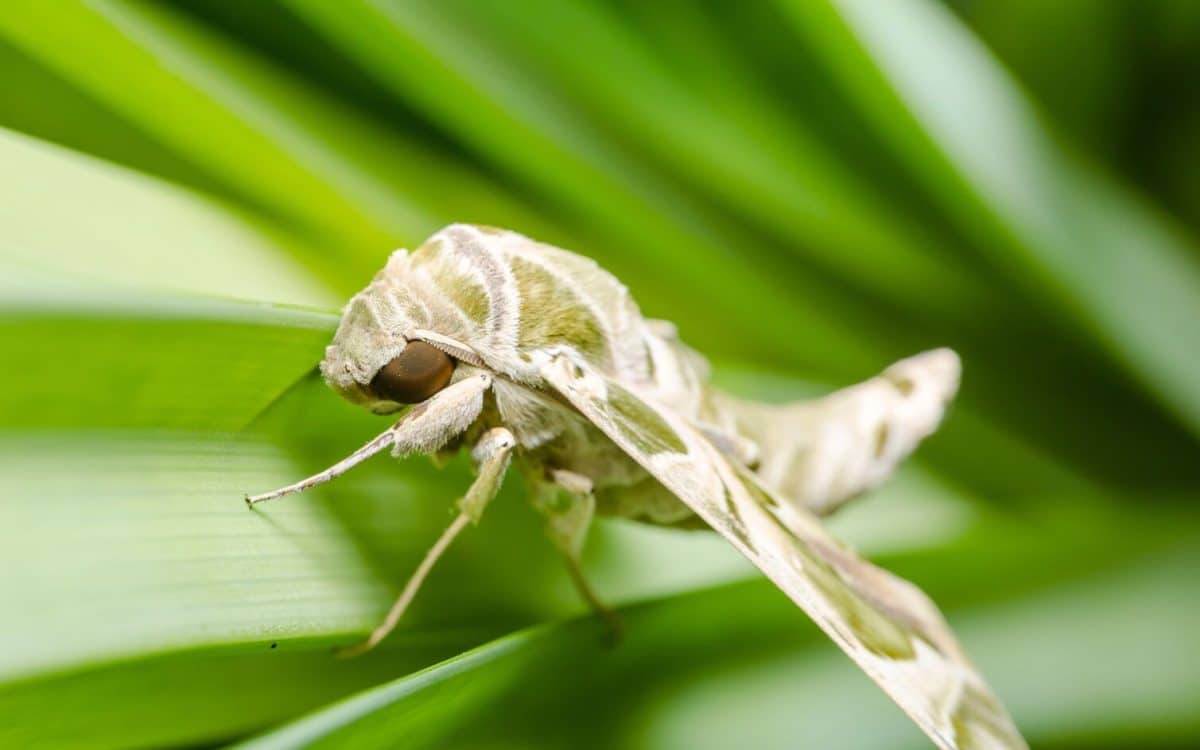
(199, 697)
(747, 154)
(967, 131)
(316, 167)
(62, 114)
(124, 228)
(807, 189)
(1088, 96)
(242, 138)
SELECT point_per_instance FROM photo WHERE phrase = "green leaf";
(179, 241)
(771, 682)
(274, 143)
(200, 697)
(1083, 247)
(806, 189)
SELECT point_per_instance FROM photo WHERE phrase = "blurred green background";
(808, 188)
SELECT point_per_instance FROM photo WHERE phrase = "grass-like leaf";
(808, 189)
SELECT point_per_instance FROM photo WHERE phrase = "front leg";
(568, 505)
(491, 455)
(424, 429)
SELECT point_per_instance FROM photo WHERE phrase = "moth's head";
(417, 372)
(371, 364)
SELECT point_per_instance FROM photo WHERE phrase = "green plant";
(809, 189)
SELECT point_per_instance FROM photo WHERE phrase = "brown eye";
(414, 375)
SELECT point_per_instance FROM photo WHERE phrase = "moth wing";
(885, 624)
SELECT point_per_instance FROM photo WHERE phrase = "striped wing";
(885, 624)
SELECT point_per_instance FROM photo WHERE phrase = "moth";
(527, 354)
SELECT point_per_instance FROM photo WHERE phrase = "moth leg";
(424, 429)
(568, 505)
(491, 456)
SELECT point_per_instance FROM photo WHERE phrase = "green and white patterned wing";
(885, 624)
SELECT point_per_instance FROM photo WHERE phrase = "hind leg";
(568, 506)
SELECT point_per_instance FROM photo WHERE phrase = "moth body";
(507, 305)
(531, 355)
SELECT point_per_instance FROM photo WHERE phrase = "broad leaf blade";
(770, 683)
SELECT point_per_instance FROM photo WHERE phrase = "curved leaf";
(178, 240)
(769, 683)
(1084, 248)
(320, 170)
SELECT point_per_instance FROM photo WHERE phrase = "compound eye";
(414, 375)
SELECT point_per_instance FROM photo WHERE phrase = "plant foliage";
(808, 188)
